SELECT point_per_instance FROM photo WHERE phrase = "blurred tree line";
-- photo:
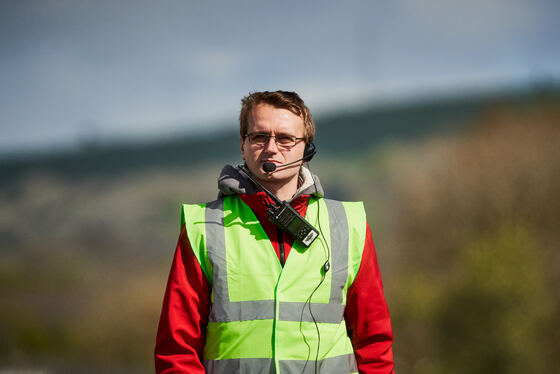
(465, 226)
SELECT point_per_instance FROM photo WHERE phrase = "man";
(244, 296)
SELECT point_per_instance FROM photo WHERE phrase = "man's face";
(266, 119)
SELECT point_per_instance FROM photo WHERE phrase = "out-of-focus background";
(443, 116)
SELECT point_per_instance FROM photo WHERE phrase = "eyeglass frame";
(284, 146)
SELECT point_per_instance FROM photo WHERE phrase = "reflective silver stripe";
(216, 248)
(335, 365)
(240, 366)
(264, 309)
(339, 249)
(227, 311)
(222, 310)
(323, 313)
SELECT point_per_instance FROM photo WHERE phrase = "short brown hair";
(278, 99)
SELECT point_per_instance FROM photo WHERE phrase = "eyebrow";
(276, 134)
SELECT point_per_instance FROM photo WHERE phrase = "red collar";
(257, 203)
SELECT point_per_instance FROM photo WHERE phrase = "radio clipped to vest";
(290, 221)
(286, 217)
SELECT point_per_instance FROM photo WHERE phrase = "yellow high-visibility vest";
(265, 318)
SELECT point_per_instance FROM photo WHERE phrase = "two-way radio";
(286, 217)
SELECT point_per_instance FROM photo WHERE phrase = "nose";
(271, 145)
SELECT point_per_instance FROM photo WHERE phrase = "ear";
(242, 144)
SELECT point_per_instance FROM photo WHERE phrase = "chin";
(280, 177)
(269, 176)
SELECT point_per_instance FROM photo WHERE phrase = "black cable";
(319, 222)
(308, 303)
(324, 271)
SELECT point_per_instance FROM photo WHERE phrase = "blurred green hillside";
(462, 200)
(340, 132)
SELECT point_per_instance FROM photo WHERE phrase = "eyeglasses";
(282, 141)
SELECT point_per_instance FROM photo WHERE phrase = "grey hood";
(234, 182)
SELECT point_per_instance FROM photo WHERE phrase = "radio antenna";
(270, 194)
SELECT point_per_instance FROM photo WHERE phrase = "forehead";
(269, 119)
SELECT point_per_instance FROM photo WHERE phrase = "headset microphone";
(269, 167)
(308, 154)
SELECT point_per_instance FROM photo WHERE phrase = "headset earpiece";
(309, 151)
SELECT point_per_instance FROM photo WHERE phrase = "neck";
(282, 190)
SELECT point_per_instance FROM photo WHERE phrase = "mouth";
(273, 161)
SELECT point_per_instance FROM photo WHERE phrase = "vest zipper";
(281, 247)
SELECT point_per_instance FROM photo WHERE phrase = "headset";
(309, 152)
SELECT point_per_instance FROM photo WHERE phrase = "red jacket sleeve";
(367, 316)
(182, 325)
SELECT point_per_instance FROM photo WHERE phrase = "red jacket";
(186, 304)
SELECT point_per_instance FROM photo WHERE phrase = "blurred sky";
(73, 70)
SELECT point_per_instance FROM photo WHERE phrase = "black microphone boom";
(269, 167)
(308, 154)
